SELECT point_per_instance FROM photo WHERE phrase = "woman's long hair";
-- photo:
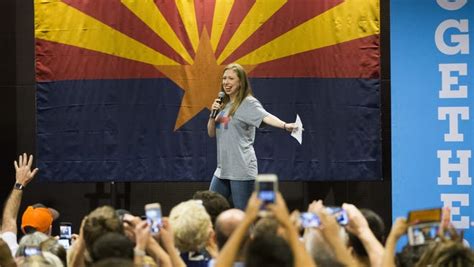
(244, 90)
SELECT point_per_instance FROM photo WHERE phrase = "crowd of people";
(207, 231)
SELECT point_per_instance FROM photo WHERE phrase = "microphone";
(215, 111)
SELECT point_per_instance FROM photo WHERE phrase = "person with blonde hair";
(192, 231)
(233, 122)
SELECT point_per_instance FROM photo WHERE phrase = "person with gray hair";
(327, 243)
(45, 259)
(31, 240)
(225, 225)
(52, 245)
(319, 249)
(192, 231)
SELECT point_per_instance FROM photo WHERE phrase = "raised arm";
(399, 228)
(76, 253)
(330, 230)
(24, 175)
(231, 248)
(145, 242)
(359, 226)
(274, 121)
(301, 256)
(167, 239)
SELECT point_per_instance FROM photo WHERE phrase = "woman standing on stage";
(234, 127)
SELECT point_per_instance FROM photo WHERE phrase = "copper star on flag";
(200, 81)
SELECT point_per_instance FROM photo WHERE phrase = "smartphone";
(266, 186)
(426, 227)
(32, 251)
(420, 234)
(340, 214)
(153, 216)
(424, 215)
(65, 234)
(309, 219)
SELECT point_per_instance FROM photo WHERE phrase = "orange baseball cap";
(38, 217)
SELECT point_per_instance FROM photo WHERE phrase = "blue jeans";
(237, 191)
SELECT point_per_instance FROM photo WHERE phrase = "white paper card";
(298, 132)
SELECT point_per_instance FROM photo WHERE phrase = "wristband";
(284, 126)
(18, 186)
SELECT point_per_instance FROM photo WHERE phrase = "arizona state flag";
(124, 87)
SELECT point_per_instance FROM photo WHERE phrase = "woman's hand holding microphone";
(216, 106)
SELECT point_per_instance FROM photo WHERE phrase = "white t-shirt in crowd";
(11, 240)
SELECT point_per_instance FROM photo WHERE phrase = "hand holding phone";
(153, 216)
(340, 214)
(309, 220)
(424, 226)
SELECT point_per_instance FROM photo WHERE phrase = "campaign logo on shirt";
(221, 119)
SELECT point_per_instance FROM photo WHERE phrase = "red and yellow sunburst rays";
(199, 77)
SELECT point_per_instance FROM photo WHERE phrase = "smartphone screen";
(340, 214)
(153, 216)
(65, 230)
(309, 219)
(423, 233)
(65, 234)
(266, 192)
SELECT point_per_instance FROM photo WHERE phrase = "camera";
(153, 216)
(65, 234)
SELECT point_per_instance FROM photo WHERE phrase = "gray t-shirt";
(235, 136)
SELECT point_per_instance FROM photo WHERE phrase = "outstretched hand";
(24, 174)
